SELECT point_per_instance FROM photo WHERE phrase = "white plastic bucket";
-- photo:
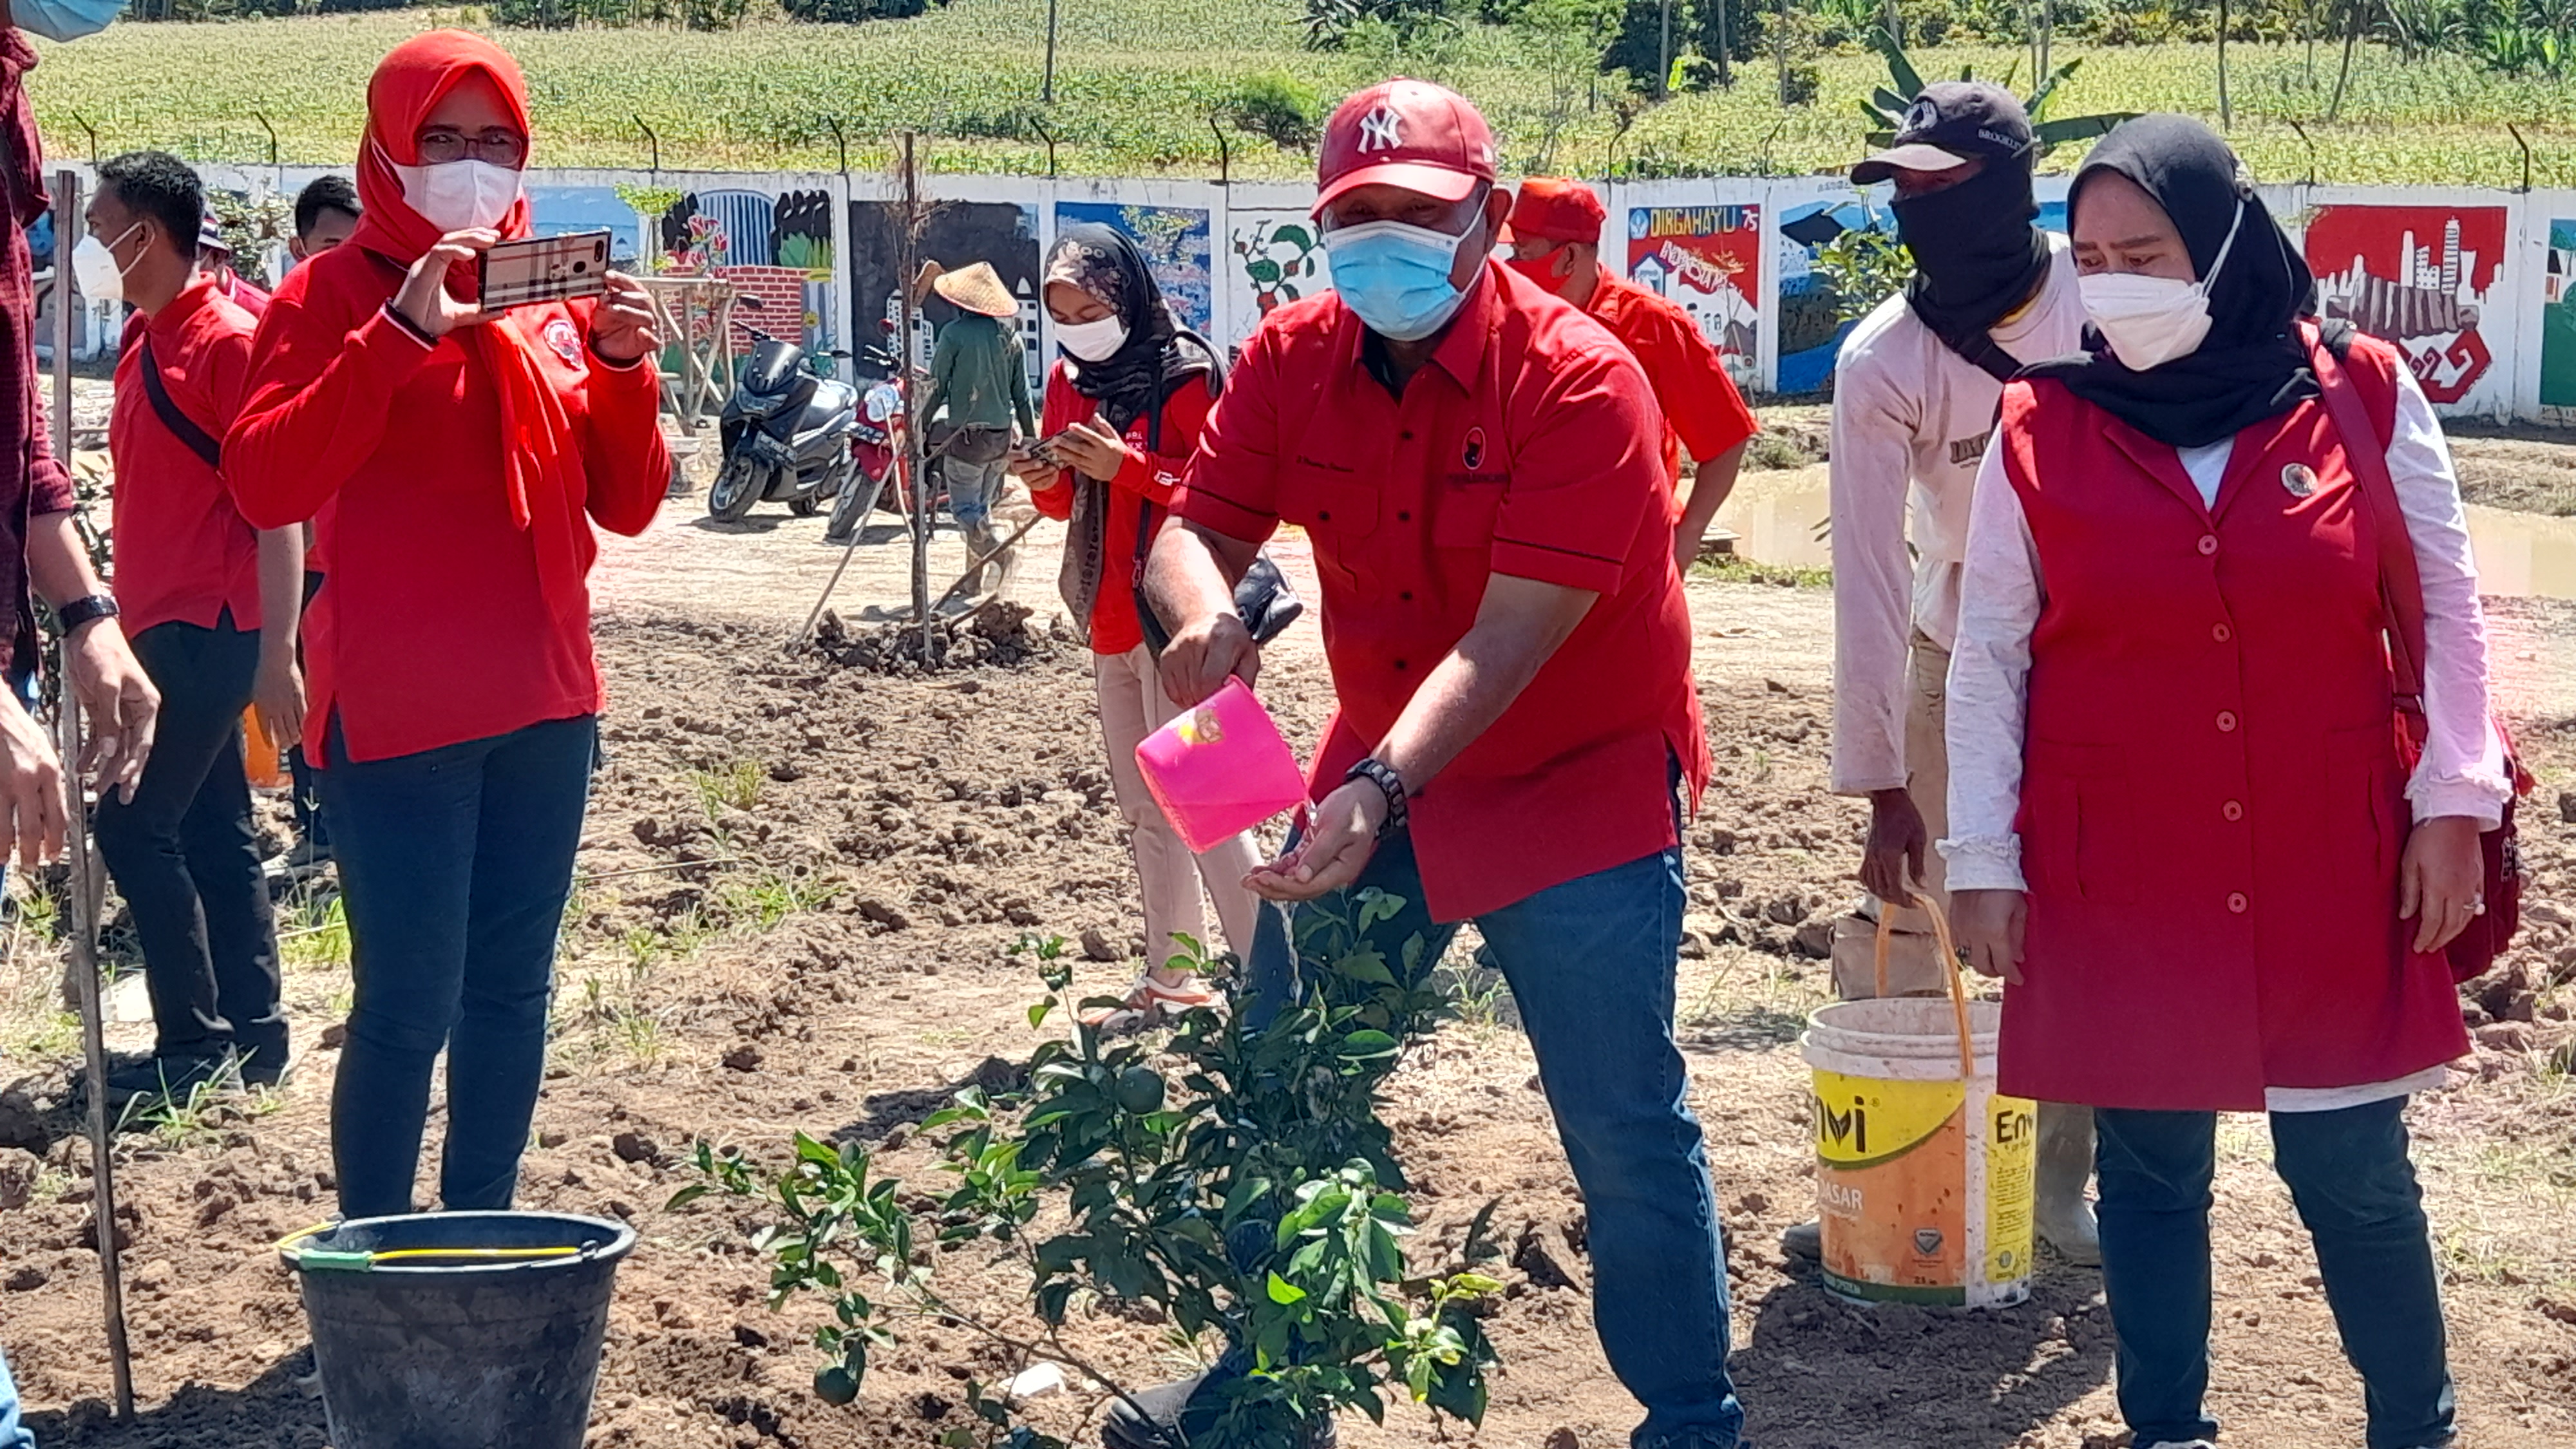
(1923, 1180)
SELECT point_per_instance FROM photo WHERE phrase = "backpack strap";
(1989, 355)
(2401, 588)
(179, 424)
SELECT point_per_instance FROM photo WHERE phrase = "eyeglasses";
(496, 146)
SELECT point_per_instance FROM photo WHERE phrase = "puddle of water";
(2524, 554)
(1776, 516)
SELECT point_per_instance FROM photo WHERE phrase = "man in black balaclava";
(1916, 390)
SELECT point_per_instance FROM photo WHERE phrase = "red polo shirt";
(1702, 409)
(1525, 447)
(183, 551)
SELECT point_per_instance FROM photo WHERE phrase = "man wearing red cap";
(1556, 242)
(1478, 466)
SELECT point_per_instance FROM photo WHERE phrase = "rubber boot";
(2064, 1216)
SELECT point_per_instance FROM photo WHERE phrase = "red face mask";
(1541, 270)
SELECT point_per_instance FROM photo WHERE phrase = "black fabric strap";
(1998, 364)
(176, 421)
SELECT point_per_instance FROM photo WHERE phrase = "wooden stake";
(86, 887)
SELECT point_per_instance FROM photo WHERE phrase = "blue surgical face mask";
(1396, 276)
(64, 19)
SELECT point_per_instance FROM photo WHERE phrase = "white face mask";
(1092, 341)
(460, 195)
(2150, 321)
(95, 269)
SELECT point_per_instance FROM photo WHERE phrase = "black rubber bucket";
(459, 1330)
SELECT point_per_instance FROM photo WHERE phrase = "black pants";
(184, 853)
(456, 863)
(2356, 1191)
(307, 796)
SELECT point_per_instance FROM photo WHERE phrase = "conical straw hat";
(977, 289)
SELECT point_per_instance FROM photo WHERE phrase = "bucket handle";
(1949, 959)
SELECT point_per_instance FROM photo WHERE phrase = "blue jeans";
(12, 1436)
(455, 864)
(2356, 1191)
(1591, 964)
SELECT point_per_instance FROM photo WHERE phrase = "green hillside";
(1138, 81)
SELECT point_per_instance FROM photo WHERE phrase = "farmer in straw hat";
(980, 374)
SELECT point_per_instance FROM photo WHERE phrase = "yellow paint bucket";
(1924, 1172)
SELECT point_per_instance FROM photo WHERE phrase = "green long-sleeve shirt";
(979, 371)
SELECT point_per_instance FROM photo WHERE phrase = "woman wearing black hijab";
(2181, 827)
(1124, 405)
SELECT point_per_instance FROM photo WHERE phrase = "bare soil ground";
(799, 884)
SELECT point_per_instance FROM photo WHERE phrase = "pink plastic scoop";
(1220, 769)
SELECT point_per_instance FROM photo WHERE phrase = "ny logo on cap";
(1381, 130)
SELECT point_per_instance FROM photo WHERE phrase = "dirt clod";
(744, 1058)
(634, 1147)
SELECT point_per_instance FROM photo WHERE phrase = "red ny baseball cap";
(1406, 133)
(1552, 208)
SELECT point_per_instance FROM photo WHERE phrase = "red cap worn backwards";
(1551, 208)
(1406, 133)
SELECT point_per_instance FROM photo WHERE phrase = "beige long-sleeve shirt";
(1911, 420)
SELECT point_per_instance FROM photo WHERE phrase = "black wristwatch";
(1389, 783)
(86, 609)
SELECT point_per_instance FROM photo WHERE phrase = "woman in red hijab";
(453, 464)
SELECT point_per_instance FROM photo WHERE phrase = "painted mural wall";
(957, 234)
(2478, 288)
(1705, 255)
(2425, 278)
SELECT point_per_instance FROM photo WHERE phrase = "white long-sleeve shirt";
(1911, 421)
(2462, 771)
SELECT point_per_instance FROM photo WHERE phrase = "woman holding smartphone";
(454, 463)
(1123, 410)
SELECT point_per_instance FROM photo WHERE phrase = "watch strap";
(85, 609)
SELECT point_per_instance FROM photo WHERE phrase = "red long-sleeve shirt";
(1146, 478)
(434, 627)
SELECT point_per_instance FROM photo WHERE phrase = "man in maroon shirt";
(1480, 468)
(213, 604)
(38, 544)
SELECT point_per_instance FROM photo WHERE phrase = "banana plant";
(1886, 106)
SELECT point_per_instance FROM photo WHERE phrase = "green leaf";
(1062, 1253)
(1038, 1013)
(1283, 1292)
(1051, 1302)
(821, 1154)
(1476, 1283)
(686, 1196)
(1885, 102)
(1369, 966)
(2077, 128)
(1899, 68)
(1368, 1045)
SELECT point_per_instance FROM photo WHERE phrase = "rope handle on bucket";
(1949, 958)
(361, 1261)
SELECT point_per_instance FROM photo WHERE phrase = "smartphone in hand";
(537, 269)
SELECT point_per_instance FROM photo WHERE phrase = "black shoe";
(1172, 1412)
(174, 1078)
(264, 1067)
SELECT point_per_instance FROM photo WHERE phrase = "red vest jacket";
(2212, 808)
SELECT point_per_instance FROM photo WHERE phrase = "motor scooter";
(787, 433)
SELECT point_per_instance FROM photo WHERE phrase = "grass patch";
(313, 933)
(736, 787)
(1729, 568)
(1138, 82)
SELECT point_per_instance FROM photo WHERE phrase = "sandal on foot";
(1147, 1001)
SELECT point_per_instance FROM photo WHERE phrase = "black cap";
(1951, 124)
